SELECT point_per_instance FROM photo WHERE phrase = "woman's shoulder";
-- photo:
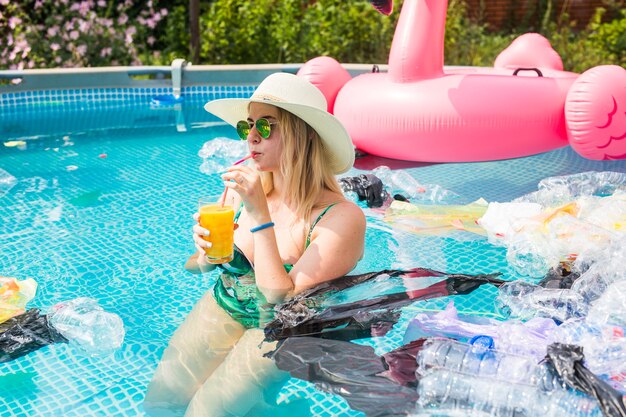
(346, 210)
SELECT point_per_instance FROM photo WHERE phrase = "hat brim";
(334, 136)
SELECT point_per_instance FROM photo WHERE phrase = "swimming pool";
(105, 186)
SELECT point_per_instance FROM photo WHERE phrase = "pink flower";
(52, 31)
(14, 21)
(163, 12)
(5, 2)
(102, 3)
(81, 49)
(105, 52)
(83, 8)
(150, 40)
(74, 35)
(84, 26)
(122, 19)
(55, 46)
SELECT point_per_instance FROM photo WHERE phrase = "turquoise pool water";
(101, 207)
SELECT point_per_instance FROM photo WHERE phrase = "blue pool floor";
(107, 215)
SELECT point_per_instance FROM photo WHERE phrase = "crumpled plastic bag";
(567, 361)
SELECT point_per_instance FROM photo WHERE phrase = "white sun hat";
(301, 98)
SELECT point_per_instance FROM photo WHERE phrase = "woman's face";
(265, 152)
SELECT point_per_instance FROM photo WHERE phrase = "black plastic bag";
(323, 312)
(376, 385)
(367, 187)
(26, 333)
(567, 361)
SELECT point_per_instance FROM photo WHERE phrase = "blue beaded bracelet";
(261, 227)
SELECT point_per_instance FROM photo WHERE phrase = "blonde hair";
(305, 165)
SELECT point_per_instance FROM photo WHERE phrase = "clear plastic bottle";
(477, 358)
(448, 391)
(523, 300)
(610, 308)
(87, 326)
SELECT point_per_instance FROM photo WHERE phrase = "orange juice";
(219, 221)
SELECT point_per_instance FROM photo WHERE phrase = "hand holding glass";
(218, 219)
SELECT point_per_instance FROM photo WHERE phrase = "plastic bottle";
(610, 308)
(449, 391)
(87, 326)
(523, 300)
(478, 358)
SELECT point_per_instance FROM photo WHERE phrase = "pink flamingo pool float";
(421, 110)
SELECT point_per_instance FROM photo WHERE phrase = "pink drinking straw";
(223, 198)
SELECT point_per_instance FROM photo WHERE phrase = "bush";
(60, 33)
(240, 31)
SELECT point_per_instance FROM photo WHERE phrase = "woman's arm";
(337, 245)
(192, 265)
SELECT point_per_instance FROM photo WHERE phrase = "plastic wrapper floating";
(14, 295)
(567, 360)
(345, 309)
(376, 385)
(436, 219)
(80, 322)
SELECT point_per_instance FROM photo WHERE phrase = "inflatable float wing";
(422, 111)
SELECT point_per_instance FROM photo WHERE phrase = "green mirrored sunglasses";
(263, 126)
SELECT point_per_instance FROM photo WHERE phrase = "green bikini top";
(236, 291)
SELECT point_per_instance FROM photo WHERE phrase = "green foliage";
(52, 33)
(279, 31)
(608, 37)
(468, 42)
(349, 31)
(60, 33)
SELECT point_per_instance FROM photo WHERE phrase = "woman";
(295, 231)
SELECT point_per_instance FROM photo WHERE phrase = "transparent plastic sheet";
(567, 361)
(7, 181)
(439, 220)
(376, 385)
(558, 190)
(610, 308)
(310, 313)
(528, 338)
(569, 217)
(604, 346)
(601, 269)
(219, 153)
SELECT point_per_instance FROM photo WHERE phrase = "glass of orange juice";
(219, 220)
